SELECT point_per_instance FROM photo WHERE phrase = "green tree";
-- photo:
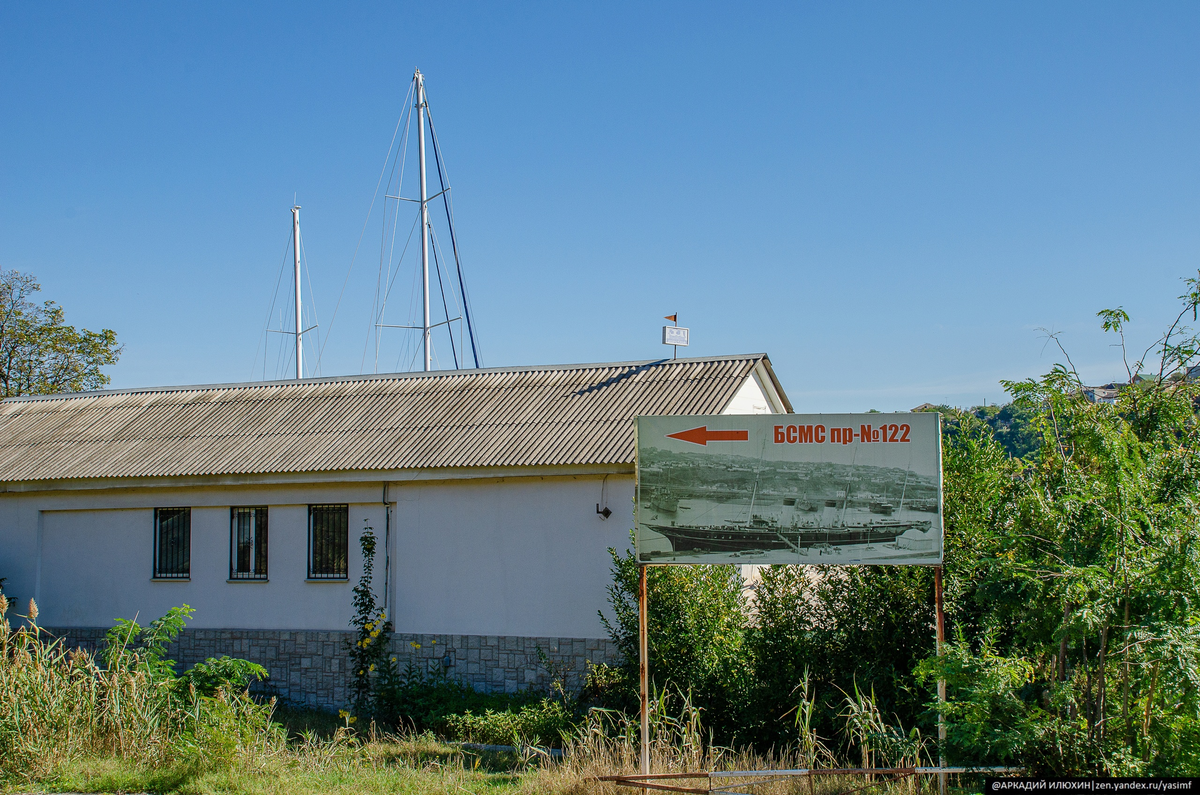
(696, 622)
(39, 353)
(849, 627)
(1073, 577)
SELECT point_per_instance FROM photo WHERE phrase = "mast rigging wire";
(443, 178)
(438, 267)
(312, 312)
(378, 311)
(461, 313)
(366, 221)
(270, 310)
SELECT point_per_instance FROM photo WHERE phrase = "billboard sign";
(790, 488)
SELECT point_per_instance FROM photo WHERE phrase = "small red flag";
(672, 318)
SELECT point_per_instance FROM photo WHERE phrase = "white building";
(246, 502)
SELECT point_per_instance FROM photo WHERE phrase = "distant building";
(495, 495)
(924, 407)
(1103, 394)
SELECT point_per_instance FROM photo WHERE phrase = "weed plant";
(59, 706)
(415, 699)
(315, 756)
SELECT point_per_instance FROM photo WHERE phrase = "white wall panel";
(750, 398)
(97, 566)
(521, 557)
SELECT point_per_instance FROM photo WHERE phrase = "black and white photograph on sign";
(790, 488)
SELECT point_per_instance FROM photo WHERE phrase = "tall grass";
(608, 743)
(60, 705)
(124, 720)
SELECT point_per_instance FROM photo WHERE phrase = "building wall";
(310, 667)
(751, 398)
(520, 557)
(489, 578)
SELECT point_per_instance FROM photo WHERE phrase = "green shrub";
(222, 673)
(59, 706)
(861, 627)
(368, 651)
(542, 723)
(413, 698)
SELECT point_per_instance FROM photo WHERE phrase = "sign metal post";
(941, 685)
(643, 671)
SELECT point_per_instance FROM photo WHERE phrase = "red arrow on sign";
(703, 435)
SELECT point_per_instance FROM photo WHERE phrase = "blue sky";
(890, 199)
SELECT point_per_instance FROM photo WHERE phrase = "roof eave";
(442, 474)
(765, 364)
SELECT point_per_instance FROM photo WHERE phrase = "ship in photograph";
(795, 523)
(761, 533)
(711, 495)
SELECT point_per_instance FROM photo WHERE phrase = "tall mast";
(425, 330)
(296, 251)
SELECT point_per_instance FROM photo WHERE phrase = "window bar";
(172, 543)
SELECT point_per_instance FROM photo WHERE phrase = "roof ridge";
(381, 377)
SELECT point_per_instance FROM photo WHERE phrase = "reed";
(60, 705)
(608, 743)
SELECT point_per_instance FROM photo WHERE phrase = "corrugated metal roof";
(538, 416)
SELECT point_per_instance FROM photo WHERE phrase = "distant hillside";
(1011, 426)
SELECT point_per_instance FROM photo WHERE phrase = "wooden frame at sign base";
(646, 780)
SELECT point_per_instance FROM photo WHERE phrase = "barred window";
(328, 541)
(248, 543)
(172, 543)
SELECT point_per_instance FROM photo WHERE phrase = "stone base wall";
(310, 668)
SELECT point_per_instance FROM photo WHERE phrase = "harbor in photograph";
(704, 506)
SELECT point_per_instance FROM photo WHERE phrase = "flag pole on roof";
(674, 335)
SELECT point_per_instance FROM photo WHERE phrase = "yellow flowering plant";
(369, 648)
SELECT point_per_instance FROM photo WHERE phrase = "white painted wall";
(520, 556)
(524, 557)
(97, 566)
(751, 398)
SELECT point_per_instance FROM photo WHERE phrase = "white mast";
(296, 249)
(425, 330)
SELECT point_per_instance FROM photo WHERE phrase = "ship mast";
(425, 329)
(429, 242)
(296, 252)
